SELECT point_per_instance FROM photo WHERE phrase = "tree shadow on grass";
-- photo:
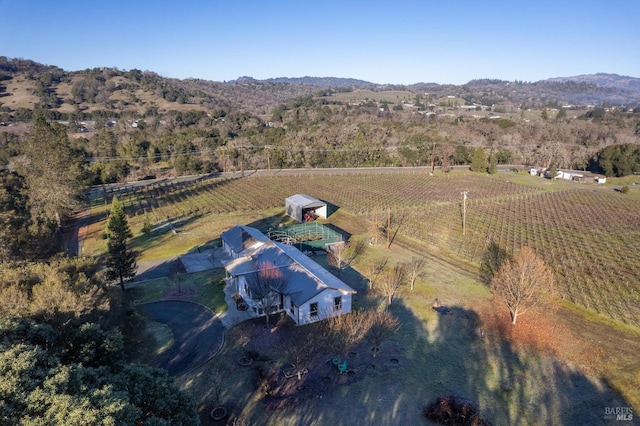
(436, 355)
(331, 208)
(166, 268)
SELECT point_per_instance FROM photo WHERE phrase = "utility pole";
(388, 227)
(433, 158)
(269, 158)
(242, 160)
(464, 211)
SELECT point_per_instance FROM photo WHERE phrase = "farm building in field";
(293, 282)
(304, 208)
(577, 176)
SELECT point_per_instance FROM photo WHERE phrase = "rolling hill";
(25, 84)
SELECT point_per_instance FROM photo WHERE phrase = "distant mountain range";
(582, 89)
(25, 84)
(603, 80)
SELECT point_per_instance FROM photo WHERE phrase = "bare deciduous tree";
(217, 376)
(375, 270)
(414, 269)
(266, 286)
(394, 223)
(382, 326)
(521, 282)
(300, 346)
(343, 254)
(338, 254)
(376, 233)
(391, 282)
(342, 332)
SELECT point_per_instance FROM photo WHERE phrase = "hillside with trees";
(135, 124)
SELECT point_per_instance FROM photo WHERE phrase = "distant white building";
(576, 176)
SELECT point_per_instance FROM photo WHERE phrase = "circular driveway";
(197, 334)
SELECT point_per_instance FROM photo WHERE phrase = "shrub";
(146, 226)
(453, 410)
(625, 189)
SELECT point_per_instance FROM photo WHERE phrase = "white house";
(306, 291)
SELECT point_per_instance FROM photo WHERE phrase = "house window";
(291, 307)
(313, 309)
(337, 303)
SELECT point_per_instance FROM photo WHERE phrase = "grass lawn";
(163, 243)
(436, 355)
(205, 288)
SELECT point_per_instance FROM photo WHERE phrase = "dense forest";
(67, 339)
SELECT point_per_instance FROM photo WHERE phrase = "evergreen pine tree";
(121, 263)
(52, 171)
(479, 161)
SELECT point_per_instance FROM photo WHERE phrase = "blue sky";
(399, 42)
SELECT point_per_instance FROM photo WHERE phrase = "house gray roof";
(327, 278)
(242, 237)
(303, 278)
(250, 262)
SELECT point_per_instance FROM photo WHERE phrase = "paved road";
(197, 334)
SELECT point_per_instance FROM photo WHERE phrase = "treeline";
(308, 132)
(304, 131)
(67, 339)
(101, 116)
(618, 160)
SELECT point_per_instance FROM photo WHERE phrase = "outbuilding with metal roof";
(305, 208)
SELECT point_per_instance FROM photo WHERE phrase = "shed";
(304, 208)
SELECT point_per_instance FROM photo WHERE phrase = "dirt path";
(74, 236)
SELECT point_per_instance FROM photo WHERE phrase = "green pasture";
(204, 287)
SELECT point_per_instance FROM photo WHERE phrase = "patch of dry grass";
(20, 93)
